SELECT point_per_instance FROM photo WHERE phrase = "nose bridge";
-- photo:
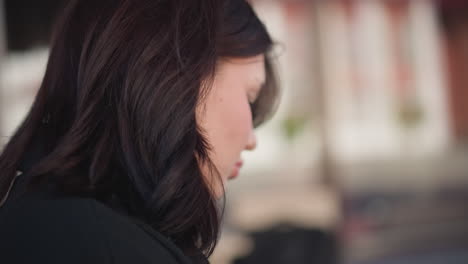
(252, 141)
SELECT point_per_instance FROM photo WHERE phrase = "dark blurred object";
(396, 227)
(444, 256)
(285, 244)
(29, 22)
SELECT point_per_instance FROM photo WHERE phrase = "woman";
(141, 117)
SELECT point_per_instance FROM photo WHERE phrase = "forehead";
(251, 68)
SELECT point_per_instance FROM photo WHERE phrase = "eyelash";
(252, 107)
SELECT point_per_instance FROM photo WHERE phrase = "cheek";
(231, 128)
(239, 122)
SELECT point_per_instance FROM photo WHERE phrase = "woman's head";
(226, 116)
(242, 93)
(129, 108)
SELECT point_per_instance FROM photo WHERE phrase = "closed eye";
(253, 110)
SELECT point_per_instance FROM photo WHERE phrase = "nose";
(252, 142)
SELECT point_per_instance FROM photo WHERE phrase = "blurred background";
(366, 160)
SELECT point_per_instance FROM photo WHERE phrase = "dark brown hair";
(114, 117)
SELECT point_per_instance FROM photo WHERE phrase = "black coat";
(45, 228)
(38, 228)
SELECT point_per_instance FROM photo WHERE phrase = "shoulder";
(78, 230)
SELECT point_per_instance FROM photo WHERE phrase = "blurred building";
(372, 120)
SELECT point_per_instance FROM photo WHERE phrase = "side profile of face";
(226, 116)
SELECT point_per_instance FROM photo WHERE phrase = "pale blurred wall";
(381, 70)
(361, 68)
